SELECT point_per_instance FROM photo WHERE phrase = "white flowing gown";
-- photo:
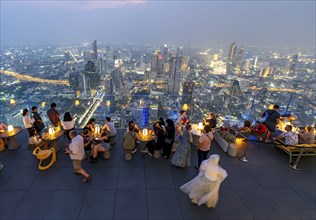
(204, 188)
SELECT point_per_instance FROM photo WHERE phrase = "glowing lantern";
(96, 130)
(77, 102)
(270, 106)
(108, 103)
(51, 131)
(43, 104)
(78, 93)
(200, 126)
(10, 128)
(185, 107)
(145, 132)
(141, 102)
(12, 101)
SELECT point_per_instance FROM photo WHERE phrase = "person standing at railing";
(53, 115)
(182, 118)
(272, 117)
(211, 121)
(204, 146)
(68, 124)
(38, 123)
(27, 120)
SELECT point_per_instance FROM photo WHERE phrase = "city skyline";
(261, 23)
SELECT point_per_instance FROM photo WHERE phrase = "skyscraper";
(174, 76)
(165, 54)
(293, 62)
(187, 92)
(232, 53)
(102, 67)
(94, 51)
(73, 81)
(91, 75)
(239, 56)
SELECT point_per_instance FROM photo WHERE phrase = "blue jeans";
(202, 155)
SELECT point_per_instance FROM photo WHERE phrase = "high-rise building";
(187, 92)
(94, 51)
(165, 54)
(91, 75)
(235, 91)
(232, 53)
(174, 76)
(184, 63)
(73, 81)
(239, 56)
(293, 62)
(102, 67)
(116, 76)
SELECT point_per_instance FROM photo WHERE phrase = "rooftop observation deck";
(148, 188)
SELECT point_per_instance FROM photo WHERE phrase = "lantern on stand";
(185, 107)
(10, 128)
(145, 132)
(43, 104)
(200, 126)
(12, 101)
(96, 130)
(51, 131)
(77, 102)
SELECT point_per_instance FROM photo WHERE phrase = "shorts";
(271, 126)
(76, 164)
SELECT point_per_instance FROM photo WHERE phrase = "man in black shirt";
(271, 120)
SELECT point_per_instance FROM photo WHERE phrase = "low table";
(13, 143)
(53, 139)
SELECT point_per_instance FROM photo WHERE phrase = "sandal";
(76, 172)
(86, 179)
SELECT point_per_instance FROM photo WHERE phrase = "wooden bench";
(298, 151)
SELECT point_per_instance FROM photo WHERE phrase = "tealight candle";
(200, 126)
(51, 131)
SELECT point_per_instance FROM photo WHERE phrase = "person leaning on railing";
(68, 124)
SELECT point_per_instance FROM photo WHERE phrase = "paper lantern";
(43, 104)
(10, 128)
(108, 103)
(77, 102)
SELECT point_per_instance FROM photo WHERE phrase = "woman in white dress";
(204, 188)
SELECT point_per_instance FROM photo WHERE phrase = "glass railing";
(145, 109)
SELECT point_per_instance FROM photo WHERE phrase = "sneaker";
(86, 179)
(134, 151)
(149, 154)
(145, 151)
(1, 166)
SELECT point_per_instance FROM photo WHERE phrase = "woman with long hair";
(182, 157)
(169, 139)
(28, 120)
(68, 124)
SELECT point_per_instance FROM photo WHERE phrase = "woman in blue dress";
(182, 156)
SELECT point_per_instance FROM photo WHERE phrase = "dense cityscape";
(144, 82)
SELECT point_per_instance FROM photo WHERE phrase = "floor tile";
(131, 178)
(21, 179)
(8, 201)
(230, 206)
(308, 194)
(163, 204)
(301, 210)
(98, 204)
(158, 178)
(65, 205)
(104, 178)
(240, 177)
(49, 179)
(33, 205)
(260, 205)
(131, 204)
(265, 176)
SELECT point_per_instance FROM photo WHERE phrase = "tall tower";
(94, 51)
(187, 92)
(174, 76)
(165, 54)
(232, 53)
(235, 91)
(239, 56)
(91, 75)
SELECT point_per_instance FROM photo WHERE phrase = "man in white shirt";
(76, 153)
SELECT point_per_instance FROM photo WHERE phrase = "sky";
(258, 23)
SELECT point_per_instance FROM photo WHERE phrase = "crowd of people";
(169, 136)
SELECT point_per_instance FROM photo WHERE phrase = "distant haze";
(264, 23)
